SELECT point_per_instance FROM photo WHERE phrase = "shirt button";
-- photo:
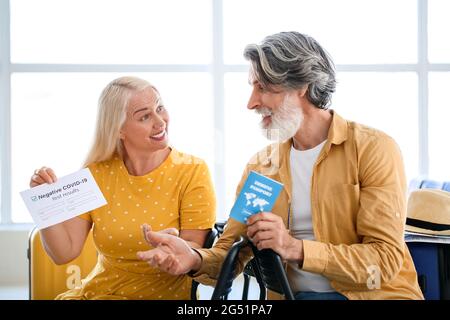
(397, 215)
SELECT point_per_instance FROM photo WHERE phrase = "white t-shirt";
(302, 164)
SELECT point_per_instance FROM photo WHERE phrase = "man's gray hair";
(293, 60)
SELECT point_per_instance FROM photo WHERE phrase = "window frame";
(217, 69)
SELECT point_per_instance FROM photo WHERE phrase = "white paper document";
(68, 197)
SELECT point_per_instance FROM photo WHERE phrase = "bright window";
(111, 31)
(54, 114)
(439, 24)
(439, 133)
(56, 56)
(353, 31)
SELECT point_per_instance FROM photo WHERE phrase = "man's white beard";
(285, 121)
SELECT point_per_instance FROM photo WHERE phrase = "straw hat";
(429, 212)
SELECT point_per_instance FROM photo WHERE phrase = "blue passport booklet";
(258, 194)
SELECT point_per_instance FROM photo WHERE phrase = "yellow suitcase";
(46, 279)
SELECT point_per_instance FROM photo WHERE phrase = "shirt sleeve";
(198, 203)
(380, 223)
(212, 259)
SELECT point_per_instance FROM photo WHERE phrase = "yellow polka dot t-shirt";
(179, 193)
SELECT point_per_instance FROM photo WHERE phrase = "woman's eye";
(160, 108)
(146, 117)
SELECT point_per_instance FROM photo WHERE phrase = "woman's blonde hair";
(111, 117)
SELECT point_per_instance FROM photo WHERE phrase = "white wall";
(13, 256)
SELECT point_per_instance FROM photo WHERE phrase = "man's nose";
(254, 101)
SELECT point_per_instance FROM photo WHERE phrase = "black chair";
(227, 272)
(220, 226)
(209, 242)
(269, 270)
(248, 273)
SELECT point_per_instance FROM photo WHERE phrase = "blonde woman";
(145, 182)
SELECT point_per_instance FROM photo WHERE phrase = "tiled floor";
(21, 293)
(13, 293)
(236, 292)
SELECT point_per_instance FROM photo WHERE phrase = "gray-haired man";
(339, 220)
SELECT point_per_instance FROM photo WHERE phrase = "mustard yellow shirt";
(358, 202)
(179, 193)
